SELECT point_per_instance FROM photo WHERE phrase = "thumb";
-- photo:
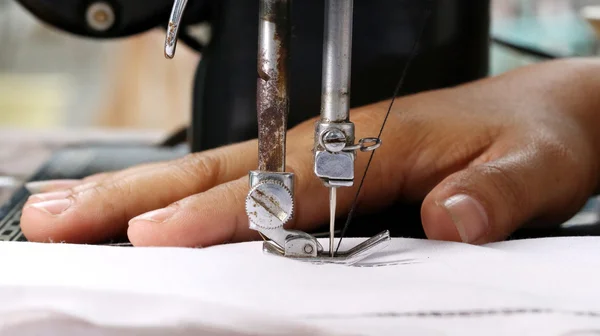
(487, 202)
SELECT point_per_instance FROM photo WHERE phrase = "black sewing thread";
(399, 86)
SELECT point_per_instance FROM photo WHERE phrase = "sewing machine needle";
(332, 204)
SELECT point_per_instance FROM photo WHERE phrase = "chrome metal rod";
(337, 52)
(273, 91)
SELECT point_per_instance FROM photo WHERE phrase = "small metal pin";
(173, 27)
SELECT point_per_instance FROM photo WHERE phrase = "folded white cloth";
(415, 287)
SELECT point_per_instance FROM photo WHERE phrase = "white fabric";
(416, 287)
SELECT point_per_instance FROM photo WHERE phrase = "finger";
(38, 187)
(46, 186)
(98, 211)
(217, 216)
(58, 189)
(209, 218)
(488, 201)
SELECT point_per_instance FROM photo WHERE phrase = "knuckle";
(106, 197)
(226, 202)
(196, 167)
(94, 190)
(303, 172)
(571, 169)
(509, 186)
(95, 177)
(240, 221)
(234, 194)
(557, 151)
(99, 193)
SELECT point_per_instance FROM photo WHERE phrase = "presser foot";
(270, 205)
(357, 253)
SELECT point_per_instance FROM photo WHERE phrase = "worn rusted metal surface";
(273, 83)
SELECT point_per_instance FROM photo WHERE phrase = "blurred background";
(49, 79)
(544, 28)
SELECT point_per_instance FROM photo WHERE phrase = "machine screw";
(308, 249)
(334, 140)
(100, 16)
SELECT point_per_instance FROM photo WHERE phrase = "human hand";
(485, 158)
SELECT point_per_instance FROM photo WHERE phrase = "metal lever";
(173, 27)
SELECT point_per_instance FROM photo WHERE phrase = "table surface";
(23, 151)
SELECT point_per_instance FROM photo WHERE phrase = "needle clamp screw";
(334, 140)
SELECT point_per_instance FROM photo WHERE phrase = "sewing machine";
(270, 201)
(271, 64)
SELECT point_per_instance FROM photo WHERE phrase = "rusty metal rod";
(273, 83)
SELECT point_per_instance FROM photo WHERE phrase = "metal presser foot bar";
(270, 201)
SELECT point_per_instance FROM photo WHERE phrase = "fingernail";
(155, 216)
(469, 217)
(36, 187)
(50, 196)
(53, 207)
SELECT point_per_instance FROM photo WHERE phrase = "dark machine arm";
(110, 18)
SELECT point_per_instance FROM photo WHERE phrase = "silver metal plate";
(359, 252)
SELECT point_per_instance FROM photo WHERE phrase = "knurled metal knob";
(269, 205)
